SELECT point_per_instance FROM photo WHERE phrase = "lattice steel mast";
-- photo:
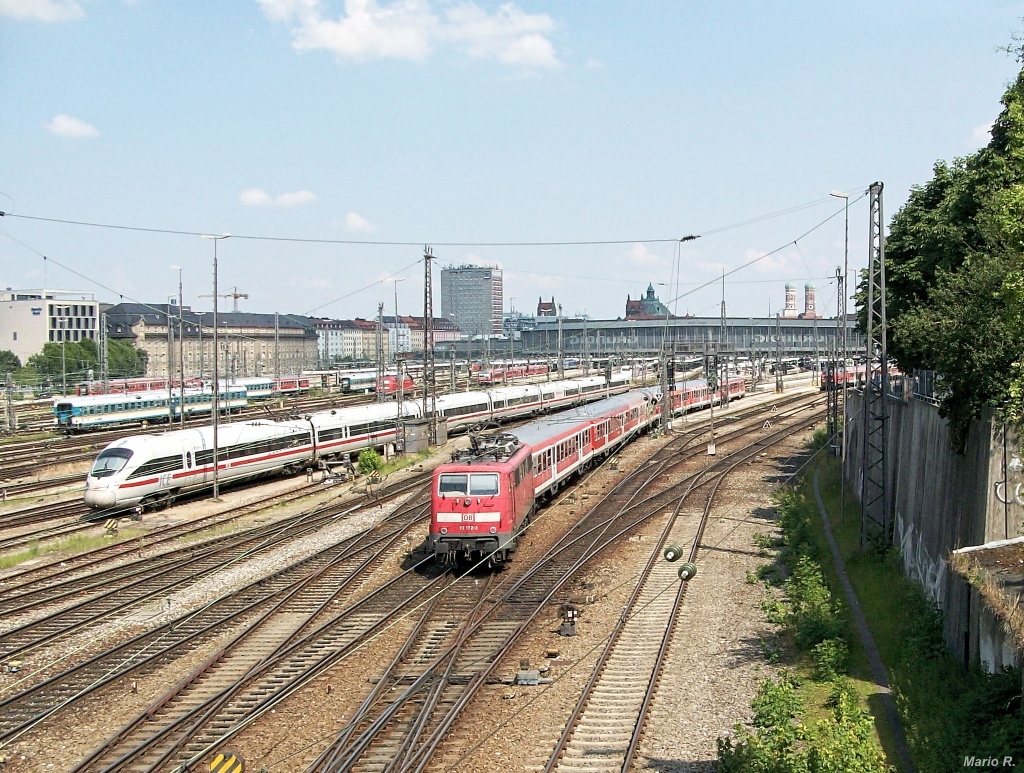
(429, 383)
(875, 520)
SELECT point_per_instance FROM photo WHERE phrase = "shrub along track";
(442, 688)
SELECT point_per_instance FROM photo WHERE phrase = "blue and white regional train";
(94, 411)
(155, 469)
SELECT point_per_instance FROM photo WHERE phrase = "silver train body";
(155, 469)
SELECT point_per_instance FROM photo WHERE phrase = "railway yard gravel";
(716, 660)
(717, 657)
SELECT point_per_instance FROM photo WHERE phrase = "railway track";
(95, 596)
(280, 605)
(297, 639)
(463, 669)
(604, 729)
(205, 724)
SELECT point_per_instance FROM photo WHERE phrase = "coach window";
(483, 484)
(453, 484)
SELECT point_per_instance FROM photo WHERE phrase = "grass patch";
(80, 543)
(814, 717)
(30, 437)
(949, 713)
(400, 462)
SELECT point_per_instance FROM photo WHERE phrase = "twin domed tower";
(810, 302)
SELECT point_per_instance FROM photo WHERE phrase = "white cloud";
(639, 255)
(64, 125)
(409, 29)
(359, 224)
(257, 197)
(41, 10)
(980, 136)
(593, 64)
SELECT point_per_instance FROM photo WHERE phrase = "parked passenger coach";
(152, 470)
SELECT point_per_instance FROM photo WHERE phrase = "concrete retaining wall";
(942, 501)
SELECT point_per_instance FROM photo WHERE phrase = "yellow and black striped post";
(111, 526)
(228, 762)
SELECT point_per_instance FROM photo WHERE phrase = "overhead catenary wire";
(177, 232)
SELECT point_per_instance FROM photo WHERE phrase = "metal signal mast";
(429, 382)
(875, 520)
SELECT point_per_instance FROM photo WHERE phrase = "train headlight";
(494, 530)
(444, 530)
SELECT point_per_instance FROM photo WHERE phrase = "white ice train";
(155, 469)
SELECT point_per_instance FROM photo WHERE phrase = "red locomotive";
(389, 385)
(510, 372)
(484, 497)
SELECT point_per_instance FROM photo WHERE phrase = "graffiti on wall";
(921, 567)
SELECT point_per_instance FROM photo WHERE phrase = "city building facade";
(250, 344)
(337, 340)
(472, 299)
(31, 318)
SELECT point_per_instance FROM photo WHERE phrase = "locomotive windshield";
(483, 484)
(110, 461)
(479, 484)
(453, 484)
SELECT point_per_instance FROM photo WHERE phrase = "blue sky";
(430, 122)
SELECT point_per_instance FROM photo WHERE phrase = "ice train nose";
(100, 499)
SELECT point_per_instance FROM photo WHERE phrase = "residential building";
(444, 331)
(368, 331)
(31, 318)
(472, 299)
(250, 344)
(337, 339)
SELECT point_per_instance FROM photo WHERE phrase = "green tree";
(124, 360)
(955, 275)
(9, 362)
(79, 357)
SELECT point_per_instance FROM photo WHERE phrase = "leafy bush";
(831, 658)
(369, 461)
(815, 615)
(779, 743)
(950, 713)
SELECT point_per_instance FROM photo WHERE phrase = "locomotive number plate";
(468, 516)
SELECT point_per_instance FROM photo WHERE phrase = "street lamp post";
(216, 372)
(399, 377)
(842, 326)
(181, 348)
(511, 333)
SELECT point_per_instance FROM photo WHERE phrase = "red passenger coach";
(484, 497)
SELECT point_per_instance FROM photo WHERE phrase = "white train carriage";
(365, 426)
(155, 469)
(120, 475)
(464, 409)
(511, 401)
(95, 411)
